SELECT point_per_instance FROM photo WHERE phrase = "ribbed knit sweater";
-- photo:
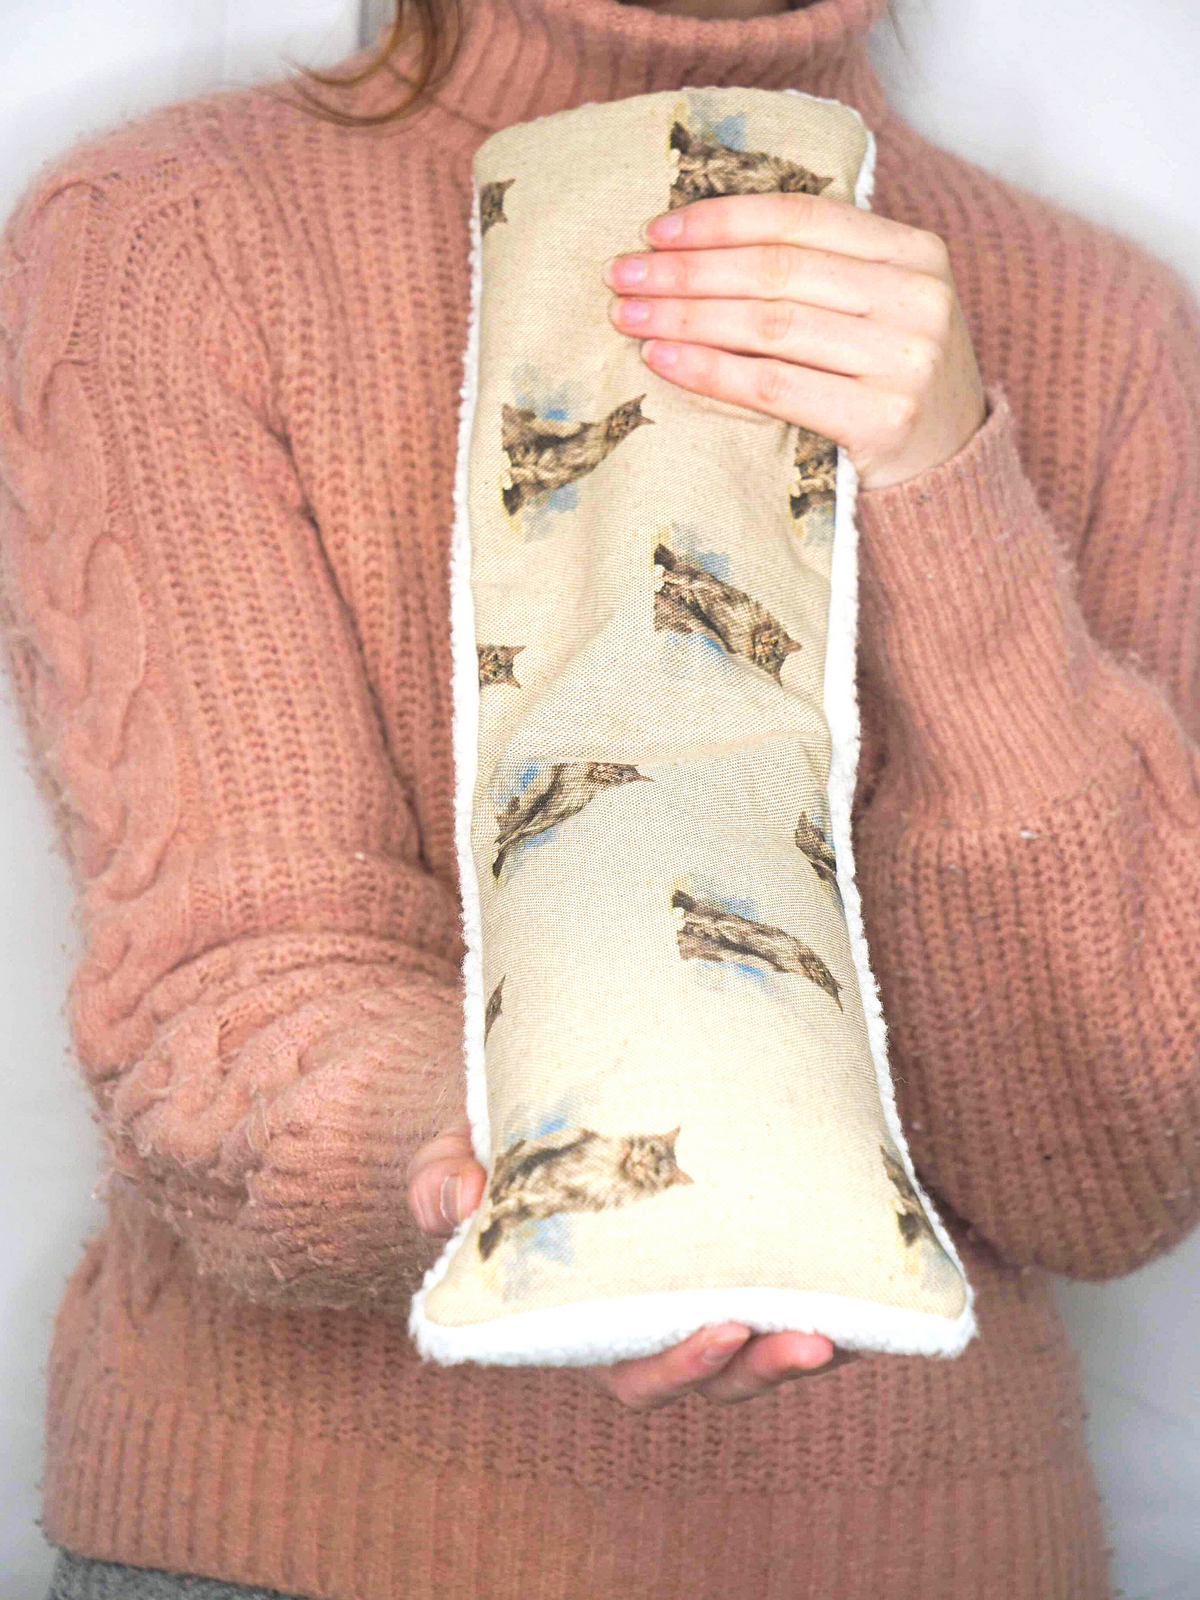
(231, 342)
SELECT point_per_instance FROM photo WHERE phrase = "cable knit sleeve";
(1030, 857)
(267, 1007)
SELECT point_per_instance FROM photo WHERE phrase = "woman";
(233, 352)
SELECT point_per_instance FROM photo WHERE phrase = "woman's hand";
(814, 311)
(724, 1363)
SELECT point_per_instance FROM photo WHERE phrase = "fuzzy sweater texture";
(231, 342)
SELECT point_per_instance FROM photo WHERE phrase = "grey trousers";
(81, 1578)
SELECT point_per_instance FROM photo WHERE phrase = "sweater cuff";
(969, 624)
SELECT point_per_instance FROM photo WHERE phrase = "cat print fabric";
(554, 792)
(494, 1007)
(690, 599)
(670, 1020)
(714, 933)
(913, 1222)
(575, 1169)
(812, 841)
(814, 480)
(491, 203)
(705, 168)
(548, 453)
(496, 664)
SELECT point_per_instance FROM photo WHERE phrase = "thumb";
(446, 1187)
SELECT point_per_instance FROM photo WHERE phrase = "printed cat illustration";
(557, 791)
(691, 600)
(911, 1217)
(493, 1009)
(545, 453)
(576, 1169)
(491, 204)
(496, 664)
(814, 482)
(705, 170)
(819, 851)
(710, 932)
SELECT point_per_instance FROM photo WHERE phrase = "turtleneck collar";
(521, 59)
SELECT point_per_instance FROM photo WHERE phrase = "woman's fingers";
(446, 1182)
(811, 220)
(813, 311)
(768, 1360)
(725, 1364)
(766, 272)
(904, 299)
(804, 335)
(647, 1382)
(907, 300)
(839, 407)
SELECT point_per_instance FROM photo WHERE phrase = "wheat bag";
(676, 1062)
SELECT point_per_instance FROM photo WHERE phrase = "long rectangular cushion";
(676, 1062)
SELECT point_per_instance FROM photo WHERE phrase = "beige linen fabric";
(680, 1087)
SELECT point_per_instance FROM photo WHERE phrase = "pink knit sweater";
(231, 344)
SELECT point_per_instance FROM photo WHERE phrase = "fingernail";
(721, 1349)
(622, 272)
(659, 354)
(666, 227)
(448, 1179)
(633, 311)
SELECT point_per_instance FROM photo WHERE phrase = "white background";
(1090, 102)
